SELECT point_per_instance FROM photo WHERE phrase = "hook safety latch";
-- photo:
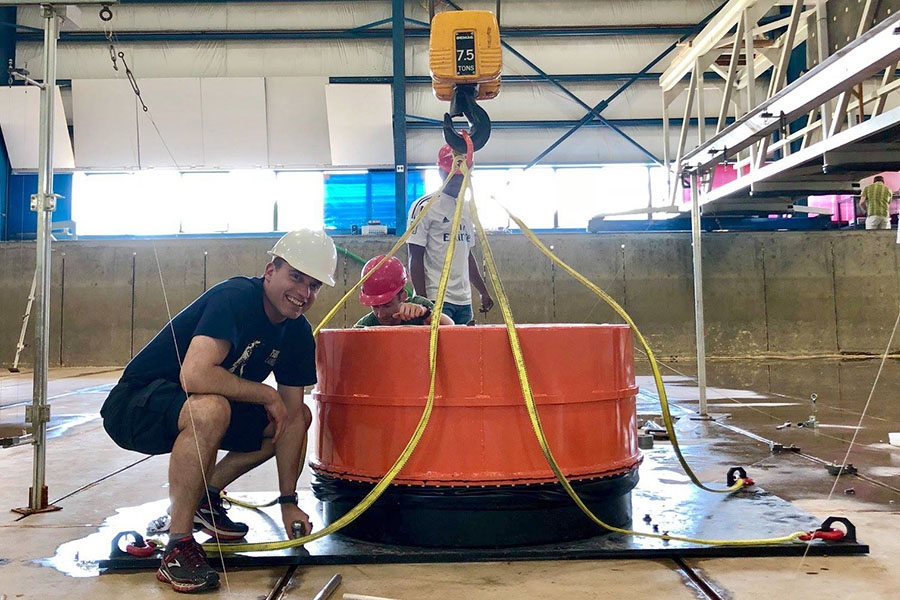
(463, 104)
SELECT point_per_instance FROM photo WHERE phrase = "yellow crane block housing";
(465, 49)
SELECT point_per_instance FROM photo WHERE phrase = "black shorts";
(144, 418)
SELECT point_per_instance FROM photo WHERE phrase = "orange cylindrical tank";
(373, 385)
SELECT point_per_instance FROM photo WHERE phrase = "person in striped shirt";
(876, 200)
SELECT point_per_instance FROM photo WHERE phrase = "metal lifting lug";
(463, 104)
(137, 547)
(849, 533)
(731, 479)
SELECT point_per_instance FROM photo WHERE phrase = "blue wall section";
(7, 51)
(21, 220)
(354, 199)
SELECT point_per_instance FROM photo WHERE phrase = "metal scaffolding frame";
(823, 95)
(742, 29)
(847, 134)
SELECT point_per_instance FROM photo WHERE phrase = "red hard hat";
(445, 159)
(385, 283)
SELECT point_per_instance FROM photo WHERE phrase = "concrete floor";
(89, 477)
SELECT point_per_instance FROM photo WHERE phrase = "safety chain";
(106, 15)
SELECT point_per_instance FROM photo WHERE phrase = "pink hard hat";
(385, 283)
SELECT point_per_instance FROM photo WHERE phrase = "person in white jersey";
(428, 245)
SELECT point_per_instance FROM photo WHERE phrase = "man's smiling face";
(288, 293)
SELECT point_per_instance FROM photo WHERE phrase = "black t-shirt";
(232, 311)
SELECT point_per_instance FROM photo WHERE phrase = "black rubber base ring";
(493, 517)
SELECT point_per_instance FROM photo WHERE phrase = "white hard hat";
(311, 252)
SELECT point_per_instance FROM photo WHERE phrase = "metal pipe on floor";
(329, 588)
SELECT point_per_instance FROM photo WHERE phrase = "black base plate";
(477, 517)
(663, 499)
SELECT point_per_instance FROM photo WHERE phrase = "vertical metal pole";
(682, 137)
(670, 167)
(749, 57)
(701, 107)
(399, 109)
(822, 49)
(731, 79)
(43, 203)
(698, 291)
(665, 125)
(779, 77)
(840, 110)
(882, 99)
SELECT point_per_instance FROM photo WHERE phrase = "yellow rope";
(525, 385)
(382, 485)
(372, 496)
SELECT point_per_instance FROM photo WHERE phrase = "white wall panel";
(308, 58)
(297, 122)
(234, 122)
(20, 113)
(176, 141)
(359, 125)
(301, 15)
(104, 124)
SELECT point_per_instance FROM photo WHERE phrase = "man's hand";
(409, 311)
(487, 303)
(278, 413)
(290, 514)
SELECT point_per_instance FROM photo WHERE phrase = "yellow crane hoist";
(465, 60)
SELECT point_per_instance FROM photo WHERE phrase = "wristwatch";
(288, 499)
(428, 313)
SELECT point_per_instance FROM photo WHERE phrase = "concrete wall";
(766, 294)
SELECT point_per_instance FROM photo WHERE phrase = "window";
(141, 203)
(158, 202)
(169, 202)
(299, 199)
(562, 197)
